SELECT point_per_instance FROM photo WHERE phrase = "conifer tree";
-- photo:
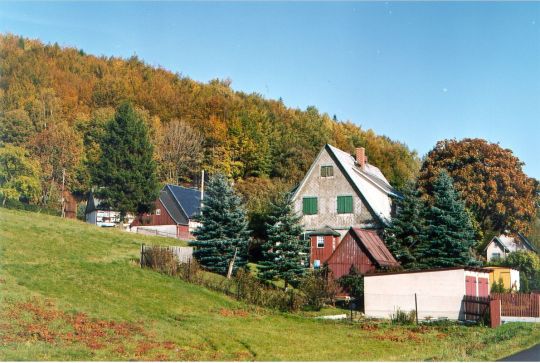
(448, 236)
(284, 251)
(125, 173)
(403, 236)
(223, 230)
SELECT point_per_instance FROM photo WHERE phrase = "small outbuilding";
(99, 214)
(362, 248)
(508, 276)
(436, 293)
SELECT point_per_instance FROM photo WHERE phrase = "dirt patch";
(233, 313)
(35, 320)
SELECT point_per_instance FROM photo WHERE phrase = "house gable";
(327, 190)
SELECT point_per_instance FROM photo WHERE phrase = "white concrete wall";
(167, 230)
(514, 279)
(439, 294)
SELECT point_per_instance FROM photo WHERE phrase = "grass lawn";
(71, 291)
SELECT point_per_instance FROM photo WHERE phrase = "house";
(500, 246)
(436, 293)
(100, 215)
(175, 214)
(341, 191)
(508, 276)
(361, 248)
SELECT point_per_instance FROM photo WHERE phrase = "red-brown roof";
(375, 246)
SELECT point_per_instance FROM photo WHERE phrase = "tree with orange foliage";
(490, 180)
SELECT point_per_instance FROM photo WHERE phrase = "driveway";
(528, 355)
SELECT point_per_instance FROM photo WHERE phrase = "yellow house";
(509, 276)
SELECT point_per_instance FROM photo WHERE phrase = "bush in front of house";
(319, 288)
(353, 283)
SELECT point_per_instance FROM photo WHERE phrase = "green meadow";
(72, 291)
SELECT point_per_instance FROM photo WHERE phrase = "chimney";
(361, 158)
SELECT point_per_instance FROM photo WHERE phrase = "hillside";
(71, 291)
(55, 99)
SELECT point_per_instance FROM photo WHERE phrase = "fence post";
(142, 255)
(416, 307)
(494, 313)
(189, 270)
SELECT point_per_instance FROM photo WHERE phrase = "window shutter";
(309, 205)
(344, 204)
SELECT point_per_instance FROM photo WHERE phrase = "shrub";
(319, 288)
(403, 318)
(160, 259)
(353, 283)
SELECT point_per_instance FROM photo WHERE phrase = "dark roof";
(172, 207)
(466, 268)
(326, 231)
(188, 198)
(93, 203)
(527, 242)
(181, 203)
(375, 246)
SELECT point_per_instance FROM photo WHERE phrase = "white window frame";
(158, 212)
(319, 241)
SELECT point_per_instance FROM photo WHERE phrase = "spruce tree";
(285, 251)
(403, 236)
(448, 236)
(126, 172)
(223, 230)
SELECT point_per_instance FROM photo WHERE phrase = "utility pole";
(202, 185)
(63, 198)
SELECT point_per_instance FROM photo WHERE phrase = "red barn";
(361, 248)
(175, 215)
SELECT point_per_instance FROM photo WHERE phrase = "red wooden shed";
(364, 250)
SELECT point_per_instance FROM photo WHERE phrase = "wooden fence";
(182, 254)
(521, 305)
(475, 308)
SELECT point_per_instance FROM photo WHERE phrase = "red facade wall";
(350, 253)
(153, 219)
(182, 232)
(322, 254)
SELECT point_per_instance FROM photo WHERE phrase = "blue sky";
(416, 72)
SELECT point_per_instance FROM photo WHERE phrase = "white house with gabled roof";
(341, 191)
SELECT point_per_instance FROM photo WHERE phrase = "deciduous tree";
(490, 180)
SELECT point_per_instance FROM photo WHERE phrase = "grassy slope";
(81, 268)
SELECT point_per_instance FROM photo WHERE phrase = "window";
(495, 256)
(327, 170)
(309, 205)
(158, 212)
(320, 241)
(344, 204)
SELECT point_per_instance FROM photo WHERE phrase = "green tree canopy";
(125, 174)
(448, 236)
(284, 253)
(404, 235)
(223, 230)
(19, 175)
